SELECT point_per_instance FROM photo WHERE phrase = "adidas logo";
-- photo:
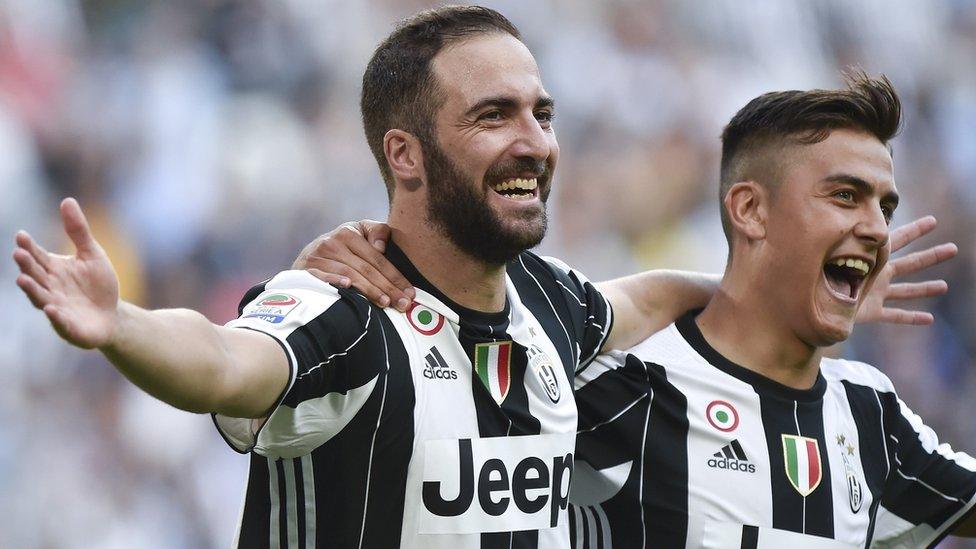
(436, 367)
(731, 457)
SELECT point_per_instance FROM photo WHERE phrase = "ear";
(405, 157)
(747, 204)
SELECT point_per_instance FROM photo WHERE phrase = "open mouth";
(518, 188)
(846, 275)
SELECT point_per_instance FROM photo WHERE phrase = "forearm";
(646, 302)
(175, 355)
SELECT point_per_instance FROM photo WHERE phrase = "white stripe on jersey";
(308, 489)
(275, 536)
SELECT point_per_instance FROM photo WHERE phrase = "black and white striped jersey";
(679, 447)
(442, 427)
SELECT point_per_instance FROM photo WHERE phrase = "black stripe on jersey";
(331, 339)
(791, 511)
(256, 521)
(874, 444)
(299, 500)
(923, 486)
(750, 537)
(665, 471)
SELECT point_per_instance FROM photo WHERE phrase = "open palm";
(884, 289)
(79, 293)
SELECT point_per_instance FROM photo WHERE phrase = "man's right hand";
(352, 255)
(79, 293)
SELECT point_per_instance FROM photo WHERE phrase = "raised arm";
(175, 355)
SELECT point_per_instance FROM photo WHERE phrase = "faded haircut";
(773, 121)
(399, 88)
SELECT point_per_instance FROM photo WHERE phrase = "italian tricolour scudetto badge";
(492, 363)
(424, 320)
(801, 455)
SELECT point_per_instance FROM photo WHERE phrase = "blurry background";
(210, 140)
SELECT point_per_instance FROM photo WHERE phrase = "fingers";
(30, 267)
(37, 294)
(334, 279)
(917, 261)
(910, 232)
(377, 294)
(917, 290)
(902, 316)
(76, 225)
(377, 233)
(40, 255)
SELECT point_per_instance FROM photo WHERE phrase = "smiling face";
(826, 235)
(490, 170)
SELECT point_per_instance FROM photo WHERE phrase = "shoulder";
(857, 373)
(293, 299)
(664, 347)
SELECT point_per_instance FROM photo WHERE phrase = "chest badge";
(493, 364)
(722, 415)
(543, 368)
(801, 455)
(855, 494)
(424, 320)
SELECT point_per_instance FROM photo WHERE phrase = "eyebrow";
(507, 102)
(890, 198)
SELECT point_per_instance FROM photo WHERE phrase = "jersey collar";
(440, 301)
(689, 330)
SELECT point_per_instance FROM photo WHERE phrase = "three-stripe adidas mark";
(436, 367)
(733, 458)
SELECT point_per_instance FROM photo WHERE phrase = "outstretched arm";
(176, 355)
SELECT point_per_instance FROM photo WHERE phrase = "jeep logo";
(497, 484)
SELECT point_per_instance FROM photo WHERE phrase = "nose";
(531, 141)
(872, 228)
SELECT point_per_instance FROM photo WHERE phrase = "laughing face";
(490, 168)
(827, 233)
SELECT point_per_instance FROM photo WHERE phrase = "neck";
(466, 280)
(742, 328)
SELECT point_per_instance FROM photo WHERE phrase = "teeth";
(518, 183)
(858, 264)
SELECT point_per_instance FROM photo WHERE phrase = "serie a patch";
(272, 308)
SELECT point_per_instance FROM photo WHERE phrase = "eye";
(846, 195)
(545, 117)
(491, 116)
(888, 212)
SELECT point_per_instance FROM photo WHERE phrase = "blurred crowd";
(209, 140)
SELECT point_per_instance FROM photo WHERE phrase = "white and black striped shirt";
(442, 427)
(679, 447)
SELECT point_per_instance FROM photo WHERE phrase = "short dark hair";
(399, 89)
(776, 119)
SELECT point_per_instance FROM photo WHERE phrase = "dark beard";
(457, 206)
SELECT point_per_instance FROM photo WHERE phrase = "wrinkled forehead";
(495, 64)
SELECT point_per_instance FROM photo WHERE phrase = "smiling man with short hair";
(729, 428)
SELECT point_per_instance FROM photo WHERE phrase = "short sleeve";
(595, 314)
(334, 345)
(930, 489)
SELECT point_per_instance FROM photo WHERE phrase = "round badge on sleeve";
(722, 416)
(424, 320)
